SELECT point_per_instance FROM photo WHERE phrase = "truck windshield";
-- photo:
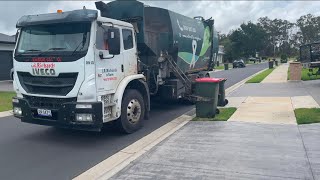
(62, 39)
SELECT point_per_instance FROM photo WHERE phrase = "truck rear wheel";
(132, 111)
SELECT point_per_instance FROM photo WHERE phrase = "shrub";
(284, 57)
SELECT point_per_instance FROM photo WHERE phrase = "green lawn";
(306, 77)
(5, 100)
(259, 77)
(219, 67)
(224, 115)
(307, 115)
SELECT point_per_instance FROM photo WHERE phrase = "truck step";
(109, 104)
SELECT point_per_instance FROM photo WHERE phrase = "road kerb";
(115, 163)
(6, 113)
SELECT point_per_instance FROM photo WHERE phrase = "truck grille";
(60, 85)
(48, 103)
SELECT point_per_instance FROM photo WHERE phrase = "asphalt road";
(238, 74)
(30, 151)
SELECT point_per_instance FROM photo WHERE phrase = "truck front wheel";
(132, 111)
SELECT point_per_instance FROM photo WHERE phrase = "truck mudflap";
(62, 116)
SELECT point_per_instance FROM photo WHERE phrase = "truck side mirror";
(114, 41)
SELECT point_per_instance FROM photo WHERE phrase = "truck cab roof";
(114, 21)
(83, 15)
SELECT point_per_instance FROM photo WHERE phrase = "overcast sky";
(227, 14)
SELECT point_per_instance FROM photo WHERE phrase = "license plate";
(44, 112)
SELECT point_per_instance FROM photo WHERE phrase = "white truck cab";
(77, 70)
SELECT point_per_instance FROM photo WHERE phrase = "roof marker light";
(59, 11)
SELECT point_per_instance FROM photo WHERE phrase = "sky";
(228, 15)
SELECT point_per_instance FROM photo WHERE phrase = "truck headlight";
(84, 117)
(17, 111)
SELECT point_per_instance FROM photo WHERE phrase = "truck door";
(109, 69)
(129, 52)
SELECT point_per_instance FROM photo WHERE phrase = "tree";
(254, 38)
(271, 37)
(247, 40)
(224, 40)
(279, 34)
(309, 27)
(266, 24)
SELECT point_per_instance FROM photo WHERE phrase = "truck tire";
(132, 112)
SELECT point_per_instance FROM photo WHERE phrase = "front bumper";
(63, 113)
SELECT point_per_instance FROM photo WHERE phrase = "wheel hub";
(133, 111)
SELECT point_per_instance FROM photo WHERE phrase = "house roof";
(7, 39)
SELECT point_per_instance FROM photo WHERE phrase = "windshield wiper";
(84, 39)
(56, 48)
(32, 50)
(28, 50)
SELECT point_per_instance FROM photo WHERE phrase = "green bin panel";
(206, 106)
(222, 93)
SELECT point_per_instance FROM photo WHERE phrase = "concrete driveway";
(251, 145)
(232, 150)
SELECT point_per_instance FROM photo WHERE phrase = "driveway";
(6, 86)
(232, 150)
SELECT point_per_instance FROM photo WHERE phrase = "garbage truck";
(80, 69)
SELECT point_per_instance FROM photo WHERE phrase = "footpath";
(261, 140)
(274, 99)
(278, 75)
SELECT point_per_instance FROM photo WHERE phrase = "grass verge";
(307, 115)
(219, 67)
(6, 100)
(224, 115)
(260, 77)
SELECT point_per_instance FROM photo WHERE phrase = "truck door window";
(127, 39)
(102, 38)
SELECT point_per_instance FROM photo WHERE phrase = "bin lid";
(207, 79)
